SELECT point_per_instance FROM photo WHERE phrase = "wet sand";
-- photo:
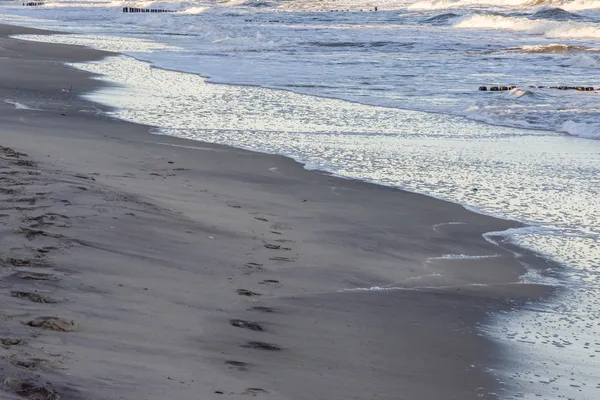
(138, 266)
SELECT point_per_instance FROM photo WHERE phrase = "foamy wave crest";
(553, 48)
(583, 130)
(353, 5)
(442, 4)
(570, 5)
(194, 10)
(184, 7)
(518, 93)
(550, 29)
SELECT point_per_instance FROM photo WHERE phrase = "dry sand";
(136, 266)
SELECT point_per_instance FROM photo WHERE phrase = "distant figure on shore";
(375, 8)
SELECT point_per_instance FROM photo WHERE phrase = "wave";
(582, 61)
(550, 29)
(570, 5)
(350, 5)
(442, 19)
(582, 130)
(552, 49)
(518, 93)
(351, 44)
(187, 7)
(258, 3)
(194, 10)
(557, 14)
(445, 4)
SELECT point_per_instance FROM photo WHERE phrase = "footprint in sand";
(282, 259)
(266, 281)
(246, 292)
(46, 249)
(278, 227)
(9, 342)
(53, 323)
(262, 309)
(31, 363)
(240, 365)
(240, 323)
(7, 151)
(253, 267)
(35, 297)
(17, 262)
(10, 191)
(31, 234)
(37, 276)
(30, 390)
(82, 176)
(253, 264)
(25, 163)
(272, 246)
(261, 346)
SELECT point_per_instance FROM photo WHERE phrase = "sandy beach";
(139, 266)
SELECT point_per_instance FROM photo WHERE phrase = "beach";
(143, 266)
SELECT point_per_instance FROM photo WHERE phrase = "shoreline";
(209, 80)
(307, 327)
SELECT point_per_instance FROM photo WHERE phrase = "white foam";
(517, 93)
(107, 43)
(555, 48)
(550, 29)
(463, 257)
(436, 226)
(19, 106)
(583, 130)
(354, 5)
(444, 4)
(194, 10)
(569, 5)
(378, 289)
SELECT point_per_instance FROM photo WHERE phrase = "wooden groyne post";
(145, 10)
(505, 88)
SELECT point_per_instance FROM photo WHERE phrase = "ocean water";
(392, 97)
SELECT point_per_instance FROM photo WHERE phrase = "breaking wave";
(550, 29)
(570, 5)
(442, 19)
(552, 49)
(582, 130)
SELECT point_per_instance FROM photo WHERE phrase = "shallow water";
(426, 56)
(430, 56)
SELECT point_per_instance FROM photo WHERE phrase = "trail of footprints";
(25, 208)
(30, 234)
(280, 252)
